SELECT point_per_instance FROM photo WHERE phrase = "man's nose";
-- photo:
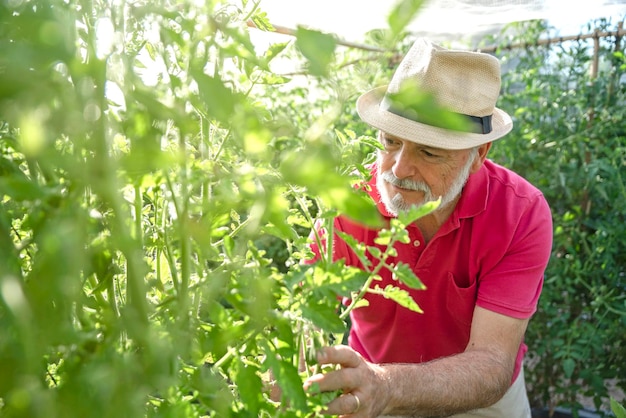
(404, 165)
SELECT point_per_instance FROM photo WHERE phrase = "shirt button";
(416, 243)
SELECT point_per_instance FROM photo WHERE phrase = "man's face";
(411, 174)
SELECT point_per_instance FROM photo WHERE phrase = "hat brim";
(368, 108)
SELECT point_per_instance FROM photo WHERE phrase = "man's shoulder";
(504, 181)
(513, 200)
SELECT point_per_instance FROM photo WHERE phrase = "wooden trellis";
(596, 36)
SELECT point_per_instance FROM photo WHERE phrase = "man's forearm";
(470, 380)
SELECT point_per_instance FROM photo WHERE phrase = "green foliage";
(401, 15)
(318, 48)
(570, 140)
(618, 410)
(159, 181)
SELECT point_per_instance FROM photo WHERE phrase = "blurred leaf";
(219, 100)
(20, 188)
(213, 390)
(618, 409)
(353, 203)
(261, 21)
(384, 237)
(568, 367)
(323, 316)
(249, 386)
(273, 50)
(417, 104)
(272, 79)
(402, 14)
(287, 376)
(318, 48)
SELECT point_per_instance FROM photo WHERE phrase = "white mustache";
(405, 183)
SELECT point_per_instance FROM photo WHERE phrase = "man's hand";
(365, 386)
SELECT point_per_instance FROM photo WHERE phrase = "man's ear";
(480, 157)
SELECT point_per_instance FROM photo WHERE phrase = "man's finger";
(346, 404)
(339, 354)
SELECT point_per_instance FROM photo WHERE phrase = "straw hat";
(464, 82)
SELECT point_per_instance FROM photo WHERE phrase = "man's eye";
(428, 154)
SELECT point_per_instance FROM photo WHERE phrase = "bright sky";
(350, 19)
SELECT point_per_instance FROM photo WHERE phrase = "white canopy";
(449, 20)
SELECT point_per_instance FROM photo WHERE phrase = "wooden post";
(596, 55)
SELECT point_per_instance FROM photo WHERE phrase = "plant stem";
(372, 276)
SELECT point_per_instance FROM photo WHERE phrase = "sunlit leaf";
(274, 50)
(413, 214)
(318, 48)
(220, 101)
(404, 274)
(337, 279)
(384, 237)
(356, 246)
(618, 409)
(417, 104)
(261, 21)
(354, 204)
(402, 14)
(400, 296)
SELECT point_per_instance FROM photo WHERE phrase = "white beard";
(396, 204)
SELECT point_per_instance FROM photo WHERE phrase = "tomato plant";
(158, 181)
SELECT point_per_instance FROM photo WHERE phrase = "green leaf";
(273, 51)
(322, 399)
(318, 48)
(422, 105)
(410, 216)
(356, 246)
(568, 367)
(375, 251)
(261, 21)
(372, 142)
(323, 316)
(272, 79)
(402, 14)
(355, 204)
(213, 390)
(618, 409)
(219, 100)
(287, 376)
(404, 273)
(384, 237)
(304, 167)
(249, 386)
(20, 188)
(400, 296)
(337, 280)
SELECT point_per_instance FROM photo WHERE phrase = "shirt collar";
(474, 196)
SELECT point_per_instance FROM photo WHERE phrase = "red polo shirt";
(491, 252)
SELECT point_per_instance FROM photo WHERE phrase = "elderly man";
(481, 255)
